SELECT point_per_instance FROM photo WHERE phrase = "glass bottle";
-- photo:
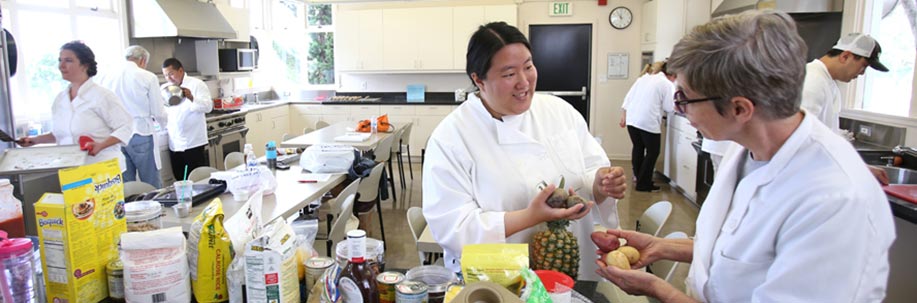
(357, 282)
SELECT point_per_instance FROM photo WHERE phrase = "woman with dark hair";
(86, 109)
(485, 160)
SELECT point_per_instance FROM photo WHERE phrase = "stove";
(225, 134)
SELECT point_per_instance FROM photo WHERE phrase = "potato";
(633, 255)
(605, 241)
(617, 259)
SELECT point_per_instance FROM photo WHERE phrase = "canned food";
(411, 292)
(386, 282)
(115, 271)
(315, 267)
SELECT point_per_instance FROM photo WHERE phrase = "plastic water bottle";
(271, 154)
(251, 161)
(374, 124)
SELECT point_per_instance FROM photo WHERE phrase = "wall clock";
(620, 17)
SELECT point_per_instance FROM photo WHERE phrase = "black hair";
(84, 54)
(486, 42)
(836, 52)
(173, 63)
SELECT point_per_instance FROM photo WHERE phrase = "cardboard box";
(78, 231)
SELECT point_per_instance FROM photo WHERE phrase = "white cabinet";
(467, 19)
(267, 125)
(415, 40)
(425, 118)
(238, 18)
(304, 116)
(665, 22)
(648, 26)
(682, 158)
(358, 34)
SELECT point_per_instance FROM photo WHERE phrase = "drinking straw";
(186, 173)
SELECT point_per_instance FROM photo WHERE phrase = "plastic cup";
(184, 191)
(241, 195)
(182, 210)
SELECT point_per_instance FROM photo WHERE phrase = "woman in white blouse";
(86, 109)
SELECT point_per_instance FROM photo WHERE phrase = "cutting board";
(906, 192)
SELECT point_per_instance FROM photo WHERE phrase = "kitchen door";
(563, 56)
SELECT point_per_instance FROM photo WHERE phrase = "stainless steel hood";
(789, 6)
(178, 18)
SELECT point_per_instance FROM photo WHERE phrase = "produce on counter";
(557, 248)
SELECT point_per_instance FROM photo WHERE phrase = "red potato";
(605, 241)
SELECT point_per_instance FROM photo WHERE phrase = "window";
(38, 81)
(891, 92)
(298, 51)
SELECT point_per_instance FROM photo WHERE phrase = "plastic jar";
(375, 250)
(437, 279)
(18, 270)
(11, 219)
(115, 270)
(143, 215)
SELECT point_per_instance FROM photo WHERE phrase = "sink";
(899, 175)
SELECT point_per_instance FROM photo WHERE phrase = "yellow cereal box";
(78, 231)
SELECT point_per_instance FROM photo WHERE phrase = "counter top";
(249, 108)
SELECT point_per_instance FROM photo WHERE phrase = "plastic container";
(251, 160)
(375, 251)
(17, 270)
(437, 279)
(143, 215)
(271, 154)
(558, 285)
(10, 211)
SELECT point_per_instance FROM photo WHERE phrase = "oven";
(225, 134)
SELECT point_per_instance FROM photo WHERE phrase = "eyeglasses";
(682, 101)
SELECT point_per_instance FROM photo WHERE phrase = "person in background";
(648, 98)
(782, 199)
(846, 61)
(187, 125)
(139, 90)
(85, 109)
(485, 160)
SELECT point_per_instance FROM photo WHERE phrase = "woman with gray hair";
(771, 229)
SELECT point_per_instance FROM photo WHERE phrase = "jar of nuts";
(143, 215)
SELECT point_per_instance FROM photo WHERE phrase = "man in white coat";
(139, 91)
(483, 163)
(773, 228)
(187, 124)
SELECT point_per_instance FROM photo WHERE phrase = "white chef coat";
(811, 225)
(821, 95)
(187, 124)
(139, 91)
(477, 168)
(95, 112)
(648, 97)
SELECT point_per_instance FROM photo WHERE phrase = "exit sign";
(560, 9)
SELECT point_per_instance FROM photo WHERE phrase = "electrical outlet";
(865, 130)
(363, 85)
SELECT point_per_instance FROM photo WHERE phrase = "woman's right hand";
(650, 247)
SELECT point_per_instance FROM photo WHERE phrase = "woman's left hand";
(609, 182)
(634, 281)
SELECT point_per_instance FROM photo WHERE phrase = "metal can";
(315, 267)
(411, 292)
(386, 282)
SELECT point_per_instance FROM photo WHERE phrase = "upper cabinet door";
(434, 48)
(505, 13)
(399, 49)
(372, 36)
(358, 33)
(465, 21)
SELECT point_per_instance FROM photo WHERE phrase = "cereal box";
(78, 231)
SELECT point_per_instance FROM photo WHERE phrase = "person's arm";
(641, 283)
(623, 122)
(40, 139)
(539, 211)
(156, 102)
(202, 101)
(117, 119)
(652, 249)
(96, 147)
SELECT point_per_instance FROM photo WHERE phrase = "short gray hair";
(756, 54)
(136, 52)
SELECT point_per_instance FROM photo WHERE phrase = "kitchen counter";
(249, 108)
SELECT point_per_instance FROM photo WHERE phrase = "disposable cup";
(184, 191)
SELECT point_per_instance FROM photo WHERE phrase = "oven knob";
(239, 120)
(228, 124)
(210, 128)
(222, 124)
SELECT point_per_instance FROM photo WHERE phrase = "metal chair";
(136, 187)
(406, 142)
(320, 123)
(233, 159)
(384, 155)
(368, 192)
(654, 218)
(201, 173)
(338, 230)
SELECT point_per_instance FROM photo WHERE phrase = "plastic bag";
(322, 158)
(155, 266)
(498, 263)
(209, 254)
(242, 183)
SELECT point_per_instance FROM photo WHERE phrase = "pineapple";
(556, 249)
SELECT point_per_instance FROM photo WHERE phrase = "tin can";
(411, 292)
(315, 267)
(386, 282)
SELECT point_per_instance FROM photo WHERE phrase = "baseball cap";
(862, 45)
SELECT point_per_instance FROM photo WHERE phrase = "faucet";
(901, 149)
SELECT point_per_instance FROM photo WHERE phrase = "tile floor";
(401, 252)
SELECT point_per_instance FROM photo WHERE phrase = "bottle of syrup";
(357, 282)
